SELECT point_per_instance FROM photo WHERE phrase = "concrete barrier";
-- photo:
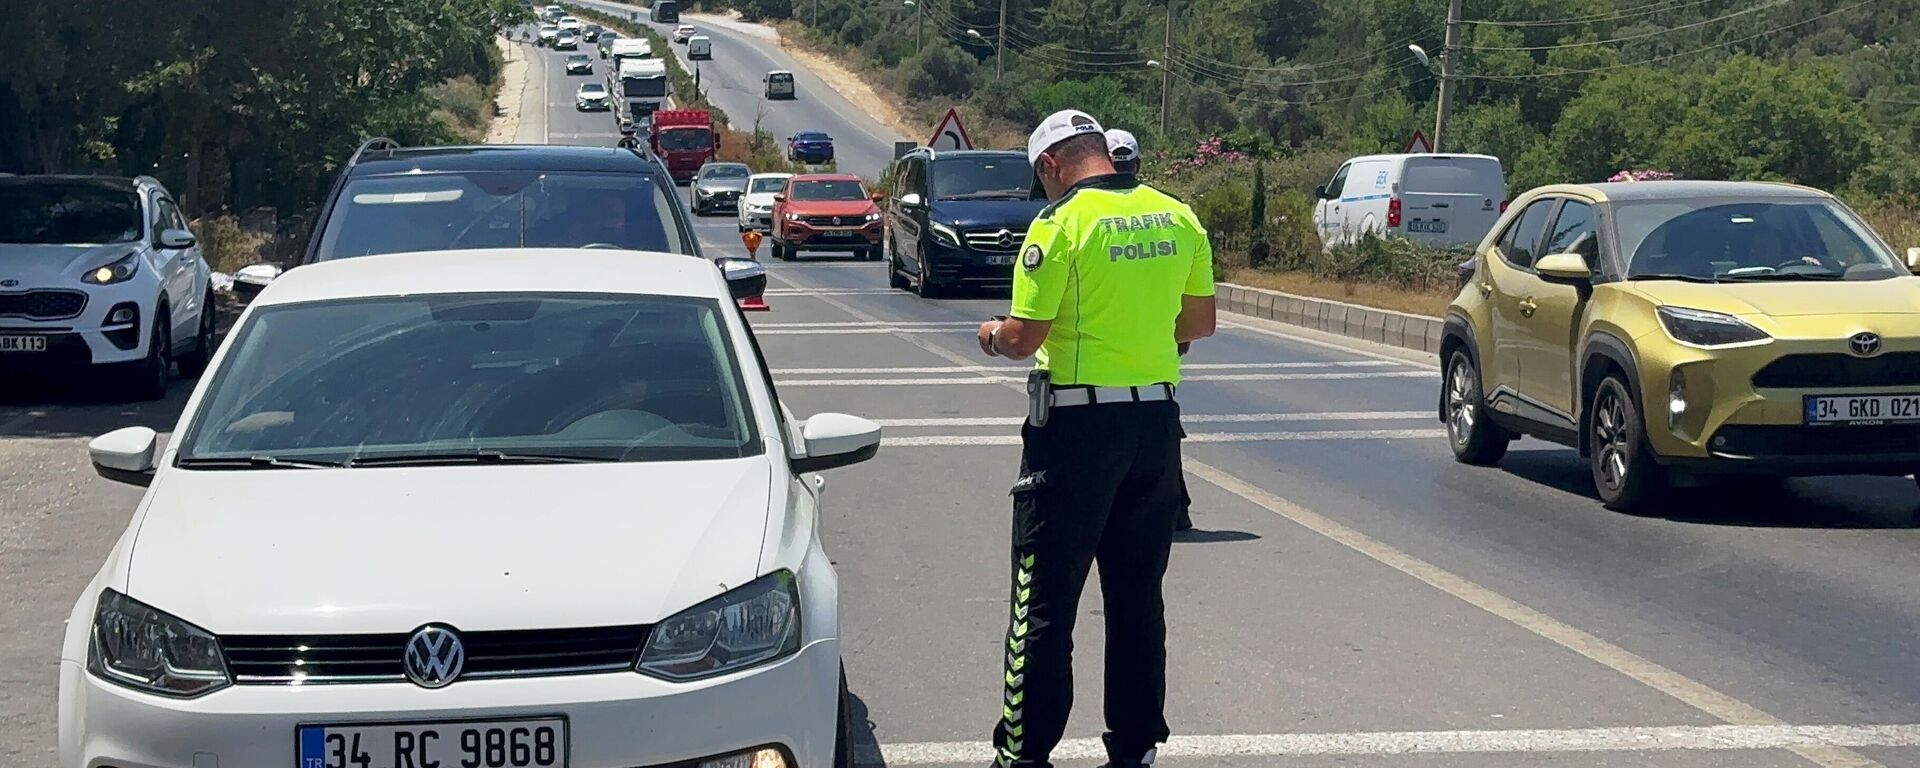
(1384, 326)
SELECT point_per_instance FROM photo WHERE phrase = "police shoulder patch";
(1032, 258)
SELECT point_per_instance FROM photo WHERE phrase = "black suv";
(393, 199)
(957, 218)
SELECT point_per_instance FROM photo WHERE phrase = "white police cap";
(1058, 127)
(1122, 146)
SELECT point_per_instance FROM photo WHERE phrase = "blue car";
(811, 147)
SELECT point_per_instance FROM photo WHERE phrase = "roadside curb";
(1384, 326)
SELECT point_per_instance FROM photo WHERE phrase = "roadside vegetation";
(1819, 92)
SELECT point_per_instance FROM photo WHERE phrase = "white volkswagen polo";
(490, 509)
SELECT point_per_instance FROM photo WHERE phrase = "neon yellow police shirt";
(1108, 264)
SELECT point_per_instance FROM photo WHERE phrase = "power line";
(1660, 6)
(1289, 102)
(1398, 46)
(1655, 33)
(1243, 79)
(1672, 56)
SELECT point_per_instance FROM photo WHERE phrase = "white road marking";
(1703, 738)
(1823, 752)
(865, 324)
(1261, 327)
(965, 380)
(882, 329)
(1687, 690)
(1023, 368)
(1189, 418)
(840, 292)
(613, 135)
(932, 441)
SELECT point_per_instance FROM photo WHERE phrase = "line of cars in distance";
(497, 328)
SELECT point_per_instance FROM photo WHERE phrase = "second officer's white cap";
(1121, 145)
(1058, 127)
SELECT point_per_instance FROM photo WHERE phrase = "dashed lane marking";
(933, 441)
(1696, 738)
(984, 379)
(1187, 418)
(1823, 748)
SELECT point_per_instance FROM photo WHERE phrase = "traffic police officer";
(1113, 275)
(1124, 149)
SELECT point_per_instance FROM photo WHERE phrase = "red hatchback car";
(826, 212)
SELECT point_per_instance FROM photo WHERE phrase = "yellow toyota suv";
(1676, 329)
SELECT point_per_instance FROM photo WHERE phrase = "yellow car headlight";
(1700, 328)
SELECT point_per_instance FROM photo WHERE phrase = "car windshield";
(812, 137)
(780, 77)
(593, 89)
(501, 209)
(982, 178)
(767, 184)
(573, 376)
(68, 213)
(685, 139)
(828, 190)
(577, 58)
(1757, 239)
(725, 172)
(646, 86)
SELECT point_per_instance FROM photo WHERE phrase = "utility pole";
(1166, 73)
(920, 28)
(1446, 73)
(1000, 44)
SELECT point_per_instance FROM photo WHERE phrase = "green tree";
(1762, 120)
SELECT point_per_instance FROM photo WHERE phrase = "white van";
(779, 84)
(699, 47)
(1433, 199)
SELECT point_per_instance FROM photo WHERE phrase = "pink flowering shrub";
(1643, 175)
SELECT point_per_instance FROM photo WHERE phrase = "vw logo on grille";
(434, 656)
(9, 283)
(1864, 344)
(836, 221)
(1006, 239)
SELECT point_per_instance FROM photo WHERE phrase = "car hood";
(40, 266)
(388, 549)
(981, 214)
(762, 199)
(1900, 295)
(718, 185)
(831, 207)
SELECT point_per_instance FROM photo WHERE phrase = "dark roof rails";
(375, 144)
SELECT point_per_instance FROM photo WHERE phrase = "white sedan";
(756, 205)
(528, 508)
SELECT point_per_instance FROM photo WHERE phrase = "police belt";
(1065, 396)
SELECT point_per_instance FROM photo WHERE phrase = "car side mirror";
(779, 197)
(877, 199)
(126, 455)
(1564, 268)
(1320, 192)
(253, 278)
(175, 239)
(836, 440)
(911, 200)
(1913, 260)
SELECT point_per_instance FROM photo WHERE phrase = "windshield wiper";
(1672, 276)
(992, 194)
(1787, 276)
(254, 462)
(472, 457)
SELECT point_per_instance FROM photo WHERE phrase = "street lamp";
(1421, 54)
(920, 25)
(1445, 71)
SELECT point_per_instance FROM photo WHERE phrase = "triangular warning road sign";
(949, 133)
(1417, 145)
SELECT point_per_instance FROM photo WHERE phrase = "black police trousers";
(1098, 484)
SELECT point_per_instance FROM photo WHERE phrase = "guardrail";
(1385, 326)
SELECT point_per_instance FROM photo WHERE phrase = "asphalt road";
(741, 57)
(1354, 596)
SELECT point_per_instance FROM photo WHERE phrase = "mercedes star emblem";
(1864, 344)
(1006, 239)
(434, 656)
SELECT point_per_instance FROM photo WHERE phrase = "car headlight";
(120, 271)
(1700, 328)
(945, 234)
(794, 217)
(875, 216)
(751, 625)
(144, 648)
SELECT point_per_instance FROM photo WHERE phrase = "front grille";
(995, 240)
(314, 659)
(844, 221)
(43, 305)
(1797, 440)
(1811, 371)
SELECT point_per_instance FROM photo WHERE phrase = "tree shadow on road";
(1835, 503)
(69, 408)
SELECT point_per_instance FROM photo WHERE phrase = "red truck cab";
(684, 139)
(826, 212)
